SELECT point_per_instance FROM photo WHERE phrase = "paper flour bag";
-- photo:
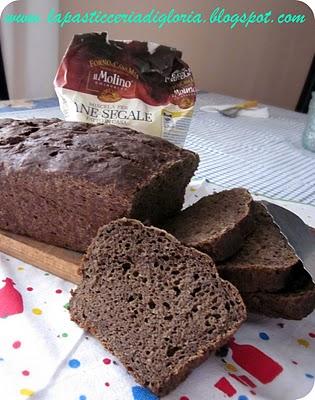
(141, 85)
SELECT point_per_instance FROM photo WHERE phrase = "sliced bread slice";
(159, 306)
(217, 224)
(265, 262)
(296, 301)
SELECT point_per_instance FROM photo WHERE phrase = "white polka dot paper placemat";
(44, 356)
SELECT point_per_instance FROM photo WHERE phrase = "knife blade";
(297, 233)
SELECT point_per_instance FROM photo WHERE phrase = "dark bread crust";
(265, 263)
(164, 195)
(217, 224)
(159, 306)
(60, 181)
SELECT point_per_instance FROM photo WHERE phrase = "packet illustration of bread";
(140, 85)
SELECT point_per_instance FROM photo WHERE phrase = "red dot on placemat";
(29, 289)
(184, 398)
(25, 373)
(58, 291)
(107, 361)
(311, 334)
(106, 384)
(16, 344)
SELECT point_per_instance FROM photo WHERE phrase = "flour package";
(141, 85)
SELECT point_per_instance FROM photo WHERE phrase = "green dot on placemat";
(66, 306)
(64, 335)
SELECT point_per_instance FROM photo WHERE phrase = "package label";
(141, 85)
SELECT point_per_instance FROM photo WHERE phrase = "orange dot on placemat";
(27, 392)
(37, 311)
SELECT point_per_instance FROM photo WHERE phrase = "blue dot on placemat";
(309, 376)
(82, 397)
(74, 363)
(263, 336)
(243, 397)
(140, 393)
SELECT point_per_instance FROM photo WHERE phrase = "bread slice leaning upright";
(156, 304)
(217, 224)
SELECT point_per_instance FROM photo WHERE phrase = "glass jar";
(309, 133)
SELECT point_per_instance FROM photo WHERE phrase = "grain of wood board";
(55, 260)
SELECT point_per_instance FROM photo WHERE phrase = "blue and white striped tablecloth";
(264, 155)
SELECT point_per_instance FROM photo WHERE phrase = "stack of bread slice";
(249, 251)
(158, 301)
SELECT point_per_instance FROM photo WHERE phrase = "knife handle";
(247, 104)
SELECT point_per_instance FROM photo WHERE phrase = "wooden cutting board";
(55, 260)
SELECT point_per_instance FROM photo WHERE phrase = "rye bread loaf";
(217, 224)
(60, 181)
(159, 306)
(295, 301)
(265, 262)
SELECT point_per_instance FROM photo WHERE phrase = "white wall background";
(266, 62)
(30, 51)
